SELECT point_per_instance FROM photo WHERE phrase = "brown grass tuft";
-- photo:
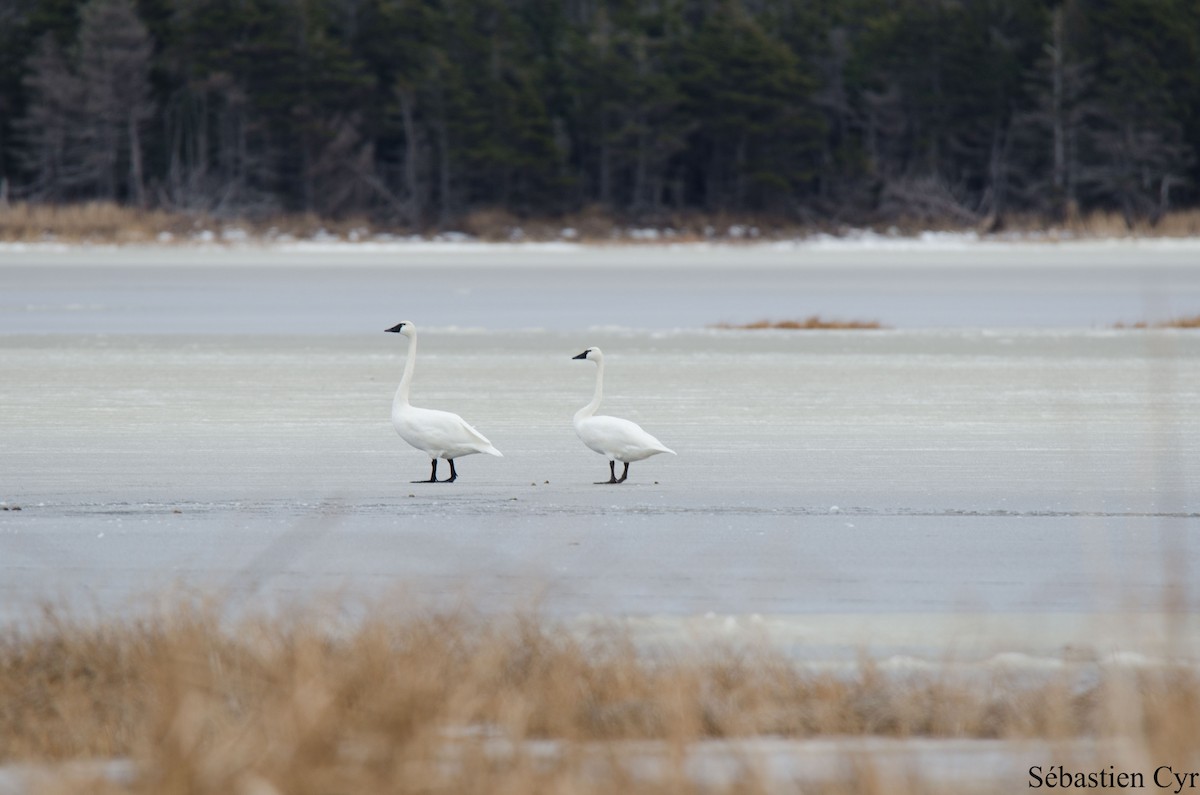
(809, 323)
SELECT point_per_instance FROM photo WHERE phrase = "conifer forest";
(416, 112)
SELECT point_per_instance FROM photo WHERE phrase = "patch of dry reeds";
(457, 703)
(90, 222)
(1191, 321)
(1180, 223)
(1104, 225)
(812, 322)
(111, 223)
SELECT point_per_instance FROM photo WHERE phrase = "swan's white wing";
(442, 434)
(619, 439)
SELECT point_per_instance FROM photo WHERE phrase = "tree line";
(416, 112)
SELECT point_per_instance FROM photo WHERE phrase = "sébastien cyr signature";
(1164, 778)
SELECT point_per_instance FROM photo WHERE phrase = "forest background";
(416, 114)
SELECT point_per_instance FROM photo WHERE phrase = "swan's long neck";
(590, 408)
(406, 379)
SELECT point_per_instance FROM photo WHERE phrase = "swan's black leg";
(432, 473)
(624, 474)
(453, 475)
(612, 474)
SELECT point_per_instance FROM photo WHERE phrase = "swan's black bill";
(583, 355)
(395, 328)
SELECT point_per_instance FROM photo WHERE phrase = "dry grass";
(598, 225)
(812, 322)
(94, 222)
(100, 222)
(1182, 223)
(1106, 225)
(1192, 321)
(107, 222)
(452, 703)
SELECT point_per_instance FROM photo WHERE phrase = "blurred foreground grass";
(393, 701)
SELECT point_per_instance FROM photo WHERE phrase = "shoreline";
(859, 240)
(106, 224)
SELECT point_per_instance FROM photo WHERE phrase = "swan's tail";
(490, 450)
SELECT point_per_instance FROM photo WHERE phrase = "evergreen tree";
(758, 133)
(114, 69)
(499, 136)
(1137, 151)
(215, 140)
(14, 50)
(51, 129)
(395, 39)
(1052, 130)
(629, 127)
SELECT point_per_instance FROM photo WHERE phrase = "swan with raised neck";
(440, 434)
(613, 437)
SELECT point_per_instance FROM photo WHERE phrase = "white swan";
(441, 434)
(613, 437)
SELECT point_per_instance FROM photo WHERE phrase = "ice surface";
(341, 288)
(224, 424)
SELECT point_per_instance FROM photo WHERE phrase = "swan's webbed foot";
(433, 474)
(612, 474)
(624, 473)
(453, 475)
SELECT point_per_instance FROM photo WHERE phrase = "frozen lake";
(1000, 459)
(943, 283)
